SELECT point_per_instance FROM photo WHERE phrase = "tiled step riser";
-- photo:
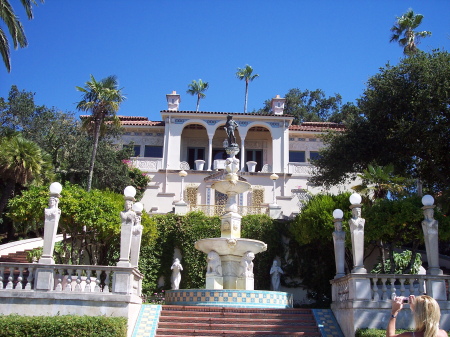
(238, 327)
(199, 320)
(203, 333)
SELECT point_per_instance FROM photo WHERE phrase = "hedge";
(375, 332)
(62, 326)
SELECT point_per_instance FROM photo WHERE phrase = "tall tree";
(405, 123)
(21, 161)
(247, 75)
(198, 88)
(15, 28)
(403, 32)
(102, 98)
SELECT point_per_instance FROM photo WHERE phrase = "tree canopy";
(404, 122)
(248, 76)
(198, 88)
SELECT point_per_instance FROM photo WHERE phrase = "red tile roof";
(317, 126)
(224, 113)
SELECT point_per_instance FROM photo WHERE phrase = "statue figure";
(136, 232)
(128, 215)
(230, 126)
(430, 231)
(246, 265)
(176, 274)
(52, 213)
(339, 248)
(357, 233)
(275, 273)
(214, 267)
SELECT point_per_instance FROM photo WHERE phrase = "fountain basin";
(233, 186)
(230, 246)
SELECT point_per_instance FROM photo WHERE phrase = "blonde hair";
(427, 315)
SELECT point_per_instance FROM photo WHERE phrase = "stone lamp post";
(430, 232)
(357, 233)
(274, 208)
(128, 217)
(181, 206)
(136, 235)
(52, 215)
(339, 243)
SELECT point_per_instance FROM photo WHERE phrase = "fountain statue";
(230, 257)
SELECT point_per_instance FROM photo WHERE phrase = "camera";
(405, 300)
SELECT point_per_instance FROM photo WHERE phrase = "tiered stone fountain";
(229, 275)
(236, 254)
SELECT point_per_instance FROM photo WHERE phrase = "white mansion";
(274, 158)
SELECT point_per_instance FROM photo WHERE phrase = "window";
(136, 148)
(296, 156)
(313, 155)
(153, 151)
(255, 155)
(195, 153)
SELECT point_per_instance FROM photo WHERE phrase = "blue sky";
(154, 47)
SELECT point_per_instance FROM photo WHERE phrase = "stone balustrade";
(213, 210)
(300, 169)
(71, 278)
(147, 164)
(364, 300)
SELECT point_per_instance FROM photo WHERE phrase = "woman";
(426, 317)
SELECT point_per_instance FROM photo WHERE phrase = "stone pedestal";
(50, 229)
(123, 282)
(231, 225)
(44, 279)
(125, 246)
(437, 289)
(245, 283)
(214, 282)
(274, 211)
(359, 289)
(230, 270)
(181, 208)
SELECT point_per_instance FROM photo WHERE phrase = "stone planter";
(199, 164)
(251, 165)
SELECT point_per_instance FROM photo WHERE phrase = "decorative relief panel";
(211, 121)
(243, 123)
(192, 194)
(274, 124)
(179, 121)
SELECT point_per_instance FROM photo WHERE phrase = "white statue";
(339, 248)
(128, 217)
(275, 273)
(357, 233)
(214, 267)
(52, 213)
(136, 239)
(176, 274)
(430, 231)
(246, 265)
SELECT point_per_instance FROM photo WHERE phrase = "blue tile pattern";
(327, 323)
(147, 321)
(234, 298)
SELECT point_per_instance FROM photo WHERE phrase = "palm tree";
(246, 74)
(15, 28)
(198, 88)
(102, 99)
(21, 161)
(403, 32)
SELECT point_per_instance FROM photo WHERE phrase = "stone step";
(228, 333)
(17, 257)
(226, 321)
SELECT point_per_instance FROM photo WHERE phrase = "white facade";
(166, 147)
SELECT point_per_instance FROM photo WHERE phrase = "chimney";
(278, 105)
(173, 101)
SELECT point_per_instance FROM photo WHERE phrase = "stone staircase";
(17, 257)
(218, 321)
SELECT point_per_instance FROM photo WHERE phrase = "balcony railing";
(300, 169)
(147, 164)
(213, 210)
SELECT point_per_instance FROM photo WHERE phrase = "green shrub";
(62, 326)
(376, 332)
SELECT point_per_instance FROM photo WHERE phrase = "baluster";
(30, 279)
(106, 287)
(384, 295)
(411, 286)
(59, 276)
(78, 286)
(376, 296)
(393, 289)
(422, 286)
(19, 285)
(10, 278)
(2, 270)
(98, 280)
(402, 287)
(87, 287)
(69, 280)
